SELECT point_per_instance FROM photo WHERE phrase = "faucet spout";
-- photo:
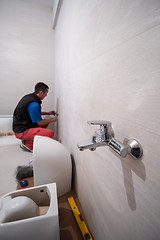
(101, 138)
(90, 144)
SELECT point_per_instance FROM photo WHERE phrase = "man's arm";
(35, 114)
(45, 122)
(48, 113)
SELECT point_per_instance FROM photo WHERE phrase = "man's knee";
(51, 133)
(46, 132)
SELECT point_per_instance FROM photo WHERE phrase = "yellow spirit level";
(84, 230)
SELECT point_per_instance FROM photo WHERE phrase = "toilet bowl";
(30, 213)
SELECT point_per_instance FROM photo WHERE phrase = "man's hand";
(45, 122)
(53, 119)
(51, 113)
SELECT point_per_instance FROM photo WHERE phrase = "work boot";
(25, 148)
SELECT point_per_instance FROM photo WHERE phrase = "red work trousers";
(28, 135)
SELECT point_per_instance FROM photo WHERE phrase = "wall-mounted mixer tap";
(105, 136)
(101, 137)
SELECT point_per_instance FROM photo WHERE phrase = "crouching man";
(27, 119)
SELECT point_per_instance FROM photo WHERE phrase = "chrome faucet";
(101, 137)
(105, 137)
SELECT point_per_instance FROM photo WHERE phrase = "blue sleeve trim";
(34, 112)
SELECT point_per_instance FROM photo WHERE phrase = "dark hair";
(41, 87)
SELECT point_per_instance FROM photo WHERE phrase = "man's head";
(41, 90)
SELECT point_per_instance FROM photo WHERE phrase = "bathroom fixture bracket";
(136, 150)
(105, 137)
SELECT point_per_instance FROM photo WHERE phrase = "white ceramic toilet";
(52, 163)
(31, 213)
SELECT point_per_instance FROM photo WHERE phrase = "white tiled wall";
(26, 51)
(107, 61)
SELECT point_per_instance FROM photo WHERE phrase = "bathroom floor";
(69, 229)
(12, 156)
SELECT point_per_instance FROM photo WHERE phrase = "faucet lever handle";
(106, 132)
(100, 123)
